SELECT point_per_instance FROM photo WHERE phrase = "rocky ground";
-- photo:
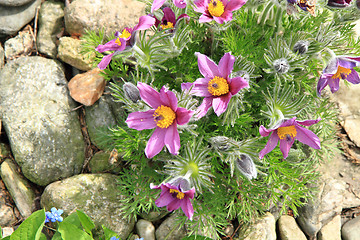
(52, 102)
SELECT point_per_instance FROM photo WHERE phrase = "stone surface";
(351, 229)
(145, 229)
(87, 88)
(289, 229)
(7, 231)
(45, 138)
(2, 57)
(154, 215)
(112, 15)
(95, 194)
(262, 229)
(100, 163)
(14, 3)
(352, 128)
(21, 45)
(332, 230)
(169, 230)
(51, 23)
(12, 19)
(19, 188)
(7, 216)
(4, 150)
(69, 51)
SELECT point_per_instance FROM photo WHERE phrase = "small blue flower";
(114, 238)
(139, 239)
(54, 215)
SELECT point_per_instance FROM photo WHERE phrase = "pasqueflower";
(217, 87)
(341, 67)
(158, 3)
(218, 10)
(122, 40)
(286, 133)
(164, 116)
(175, 194)
(169, 19)
(54, 215)
(339, 3)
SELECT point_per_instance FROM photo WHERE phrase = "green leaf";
(57, 236)
(109, 233)
(0, 233)
(43, 236)
(73, 219)
(69, 231)
(197, 237)
(31, 227)
(86, 222)
(6, 238)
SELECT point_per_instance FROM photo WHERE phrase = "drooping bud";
(301, 46)
(220, 143)
(131, 92)
(246, 166)
(281, 65)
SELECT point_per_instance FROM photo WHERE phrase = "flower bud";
(301, 46)
(339, 3)
(246, 166)
(220, 143)
(281, 65)
(131, 92)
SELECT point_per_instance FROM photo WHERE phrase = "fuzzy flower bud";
(220, 143)
(301, 46)
(246, 166)
(281, 65)
(131, 92)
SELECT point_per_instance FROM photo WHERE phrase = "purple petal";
(168, 98)
(186, 86)
(184, 15)
(226, 64)
(183, 115)
(204, 107)
(220, 103)
(190, 193)
(285, 146)
(236, 84)
(289, 122)
(322, 83)
(180, 3)
(200, 6)
(164, 199)
(270, 145)
(200, 88)
(207, 67)
(353, 77)
(145, 22)
(175, 204)
(149, 95)
(309, 122)
(105, 61)
(204, 18)
(346, 63)
(155, 143)
(233, 5)
(187, 208)
(157, 4)
(265, 132)
(221, 19)
(307, 137)
(334, 84)
(109, 46)
(169, 15)
(141, 120)
(172, 139)
(355, 59)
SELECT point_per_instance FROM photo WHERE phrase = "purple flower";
(169, 19)
(122, 40)
(54, 215)
(217, 87)
(339, 3)
(158, 3)
(164, 117)
(175, 194)
(286, 133)
(341, 67)
(218, 10)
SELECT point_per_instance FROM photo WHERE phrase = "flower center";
(164, 116)
(117, 41)
(216, 8)
(341, 73)
(218, 86)
(287, 132)
(179, 195)
(166, 25)
(125, 34)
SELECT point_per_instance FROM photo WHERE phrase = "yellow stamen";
(341, 73)
(125, 34)
(179, 195)
(216, 8)
(218, 86)
(284, 132)
(164, 116)
(117, 41)
(167, 25)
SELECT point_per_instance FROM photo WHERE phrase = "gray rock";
(7, 231)
(262, 229)
(51, 23)
(289, 229)
(95, 194)
(351, 229)
(154, 215)
(332, 230)
(170, 229)
(69, 51)
(36, 111)
(4, 150)
(145, 229)
(110, 15)
(19, 188)
(20, 45)
(14, 3)
(12, 19)
(7, 217)
(100, 163)
(2, 57)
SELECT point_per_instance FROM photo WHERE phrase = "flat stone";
(12, 19)
(169, 230)
(7, 217)
(352, 128)
(21, 45)
(289, 229)
(262, 229)
(87, 88)
(332, 230)
(51, 23)
(14, 3)
(351, 229)
(145, 229)
(96, 195)
(110, 15)
(69, 51)
(46, 138)
(19, 188)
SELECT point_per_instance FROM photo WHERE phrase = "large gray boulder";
(36, 111)
(94, 194)
(14, 3)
